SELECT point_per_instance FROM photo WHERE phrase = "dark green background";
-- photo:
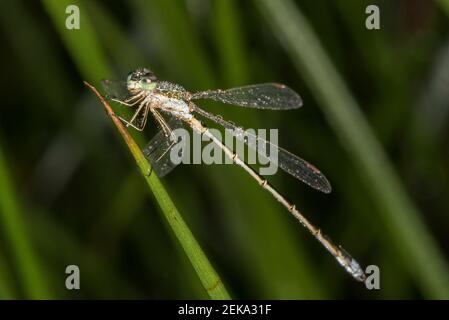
(374, 121)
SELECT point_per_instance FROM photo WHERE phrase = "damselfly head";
(141, 79)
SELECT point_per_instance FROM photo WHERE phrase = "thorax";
(170, 104)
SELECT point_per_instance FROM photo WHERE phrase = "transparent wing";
(262, 96)
(115, 89)
(159, 151)
(286, 160)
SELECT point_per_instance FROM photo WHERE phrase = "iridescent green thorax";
(148, 86)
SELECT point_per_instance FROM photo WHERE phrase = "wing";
(286, 160)
(159, 150)
(115, 89)
(262, 96)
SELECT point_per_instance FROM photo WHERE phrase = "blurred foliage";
(375, 120)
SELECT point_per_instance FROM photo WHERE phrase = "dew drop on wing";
(264, 96)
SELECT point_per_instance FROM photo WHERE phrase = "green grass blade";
(444, 4)
(7, 289)
(230, 43)
(11, 217)
(208, 277)
(79, 42)
(178, 33)
(421, 258)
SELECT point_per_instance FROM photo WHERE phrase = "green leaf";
(27, 263)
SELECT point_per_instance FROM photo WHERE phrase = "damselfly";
(143, 91)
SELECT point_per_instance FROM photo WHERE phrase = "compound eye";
(143, 75)
(148, 74)
(132, 75)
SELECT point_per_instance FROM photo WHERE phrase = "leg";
(142, 105)
(139, 126)
(127, 102)
(129, 124)
(164, 126)
(166, 129)
(134, 97)
(145, 117)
